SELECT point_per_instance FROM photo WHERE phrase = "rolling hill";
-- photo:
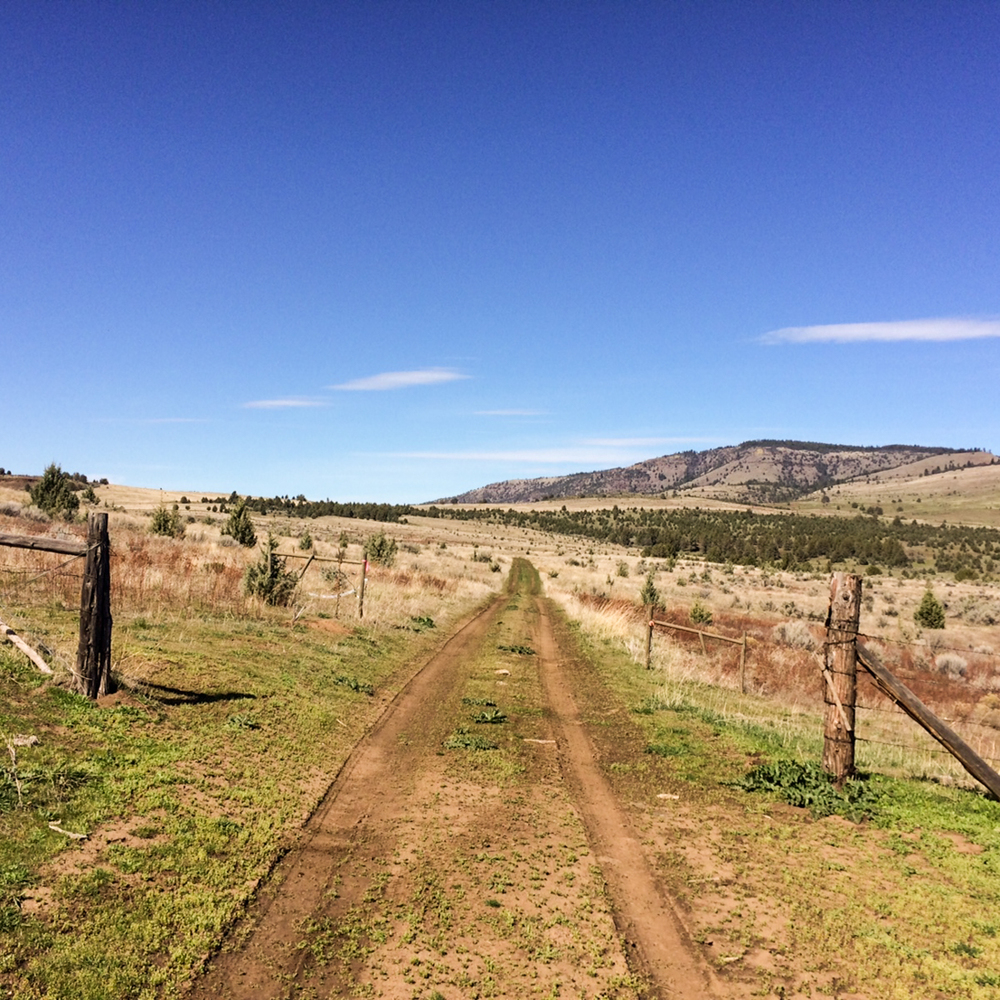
(752, 472)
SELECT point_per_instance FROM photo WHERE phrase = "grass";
(229, 725)
(894, 906)
(232, 721)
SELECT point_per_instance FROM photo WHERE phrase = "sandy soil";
(430, 873)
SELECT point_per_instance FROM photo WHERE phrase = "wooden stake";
(649, 646)
(93, 658)
(840, 671)
(361, 592)
(743, 665)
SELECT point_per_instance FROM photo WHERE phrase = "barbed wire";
(912, 747)
(951, 722)
(925, 645)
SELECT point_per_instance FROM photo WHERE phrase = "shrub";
(980, 611)
(380, 550)
(700, 615)
(166, 522)
(649, 595)
(305, 541)
(951, 665)
(930, 614)
(795, 634)
(54, 495)
(239, 527)
(623, 568)
(268, 578)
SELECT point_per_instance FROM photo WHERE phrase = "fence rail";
(93, 659)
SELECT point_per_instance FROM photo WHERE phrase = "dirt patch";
(437, 869)
(329, 625)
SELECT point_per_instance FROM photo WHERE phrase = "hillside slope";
(752, 472)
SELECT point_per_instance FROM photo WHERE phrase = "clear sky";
(396, 250)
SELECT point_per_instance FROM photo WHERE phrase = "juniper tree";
(649, 595)
(167, 522)
(268, 578)
(240, 525)
(380, 550)
(53, 493)
(930, 614)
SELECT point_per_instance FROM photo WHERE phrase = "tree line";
(785, 541)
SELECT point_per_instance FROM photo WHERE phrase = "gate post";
(840, 674)
(93, 658)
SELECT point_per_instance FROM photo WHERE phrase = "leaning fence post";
(93, 658)
(840, 666)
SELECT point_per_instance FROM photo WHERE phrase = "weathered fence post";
(361, 591)
(840, 673)
(93, 658)
(743, 664)
(649, 644)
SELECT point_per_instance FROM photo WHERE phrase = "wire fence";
(961, 685)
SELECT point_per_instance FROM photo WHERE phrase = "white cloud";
(944, 329)
(281, 404)
(400, 380)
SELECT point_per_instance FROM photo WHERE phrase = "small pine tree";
(240, 525)
(380, 550)
(649, 595)
(53, 494)
(930, 614)
(305, 541)
(700, 615)
(167, 522)
(268, 578)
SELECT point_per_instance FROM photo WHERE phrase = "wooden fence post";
(93, 658)
(361, 592)
(743, 664)
(649, 645)
(840, 673)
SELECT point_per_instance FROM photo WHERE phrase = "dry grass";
(444, 564)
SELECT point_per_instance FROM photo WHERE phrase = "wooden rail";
(40, 543)
(703, 635)
(924, 717)
(93, 657)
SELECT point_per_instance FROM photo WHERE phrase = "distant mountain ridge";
(753, 472)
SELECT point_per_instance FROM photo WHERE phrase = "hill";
(752, 472)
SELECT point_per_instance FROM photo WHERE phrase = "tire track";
(655, 940)
(262, 957)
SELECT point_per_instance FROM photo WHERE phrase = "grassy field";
(232, 719)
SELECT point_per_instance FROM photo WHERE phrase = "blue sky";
(395, 250)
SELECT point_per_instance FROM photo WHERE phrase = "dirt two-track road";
(437, 867)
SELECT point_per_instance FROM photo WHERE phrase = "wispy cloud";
(282, 404)
(590, 454)
(511, 413)
(400, 380)
(944, 329)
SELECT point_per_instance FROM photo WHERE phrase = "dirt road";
(470, 847)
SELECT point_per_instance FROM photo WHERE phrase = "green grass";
(224, 738)
(897, 901)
